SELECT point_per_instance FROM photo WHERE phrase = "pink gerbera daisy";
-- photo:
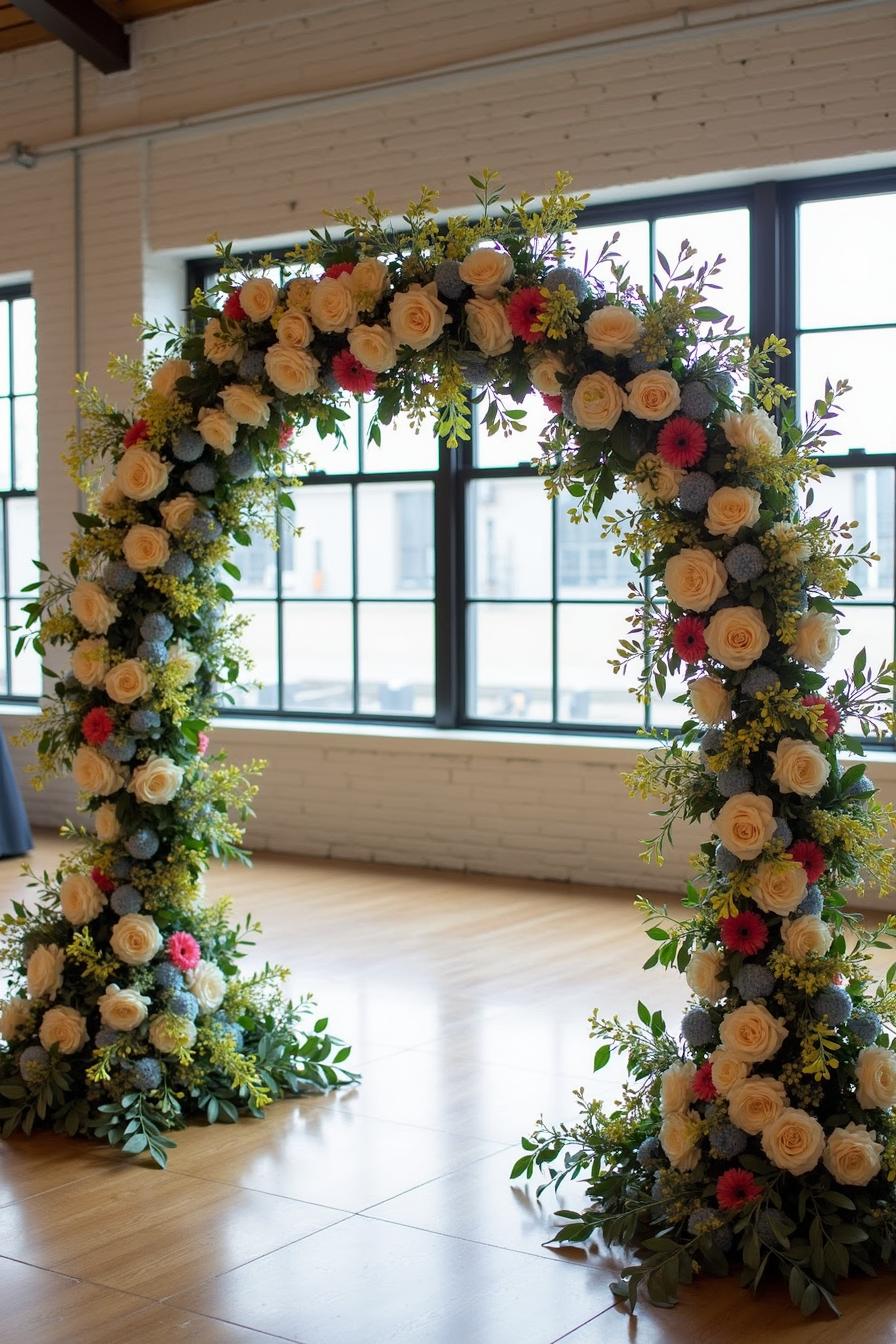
(233, 308)
(135, 433)
(97, 725)
(183, 951)
(202, 743)
(554, 404)
(351, 374)
(702, 1086)
(688, 639)
(681, 442)
(746, 932)
(811, 856)
(523, 310)
(830, 713)
(106, 884)
(736, 1187)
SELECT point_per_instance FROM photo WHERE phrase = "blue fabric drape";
(15, 833)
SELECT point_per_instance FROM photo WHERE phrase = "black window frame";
(10, 293)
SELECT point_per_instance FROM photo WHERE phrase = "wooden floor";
(383, 1213)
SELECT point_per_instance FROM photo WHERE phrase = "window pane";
(509, 531)
(509, 661)
(518, 447)
(260, 639)
(396, 547)
(4, 347)
(329, 454)
(317, 657)
(24, 354)
(867, 359)
(860, 227)
(258, 569)
(25, 413)
(588, 689)
(712, 232)
(586, 565)
(664, 713)
(396, 657)
(870, 628)
(318, 562)
(22, 522)
(864, 494)
(5, 445)
(25, 669)
(633, 248)
(403, 448)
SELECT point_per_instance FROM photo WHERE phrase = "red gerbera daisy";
(554, 404)
(702, 1085)
(339, 268)
(746, 932)
(183, 951)
(523, 310)
(106, 884)
(688, 639)
(135, 432)
(96, 725)
(682, 442)
(233, 308)
(736, 1187)
(830, 713)
(811, 856)
(351, 374)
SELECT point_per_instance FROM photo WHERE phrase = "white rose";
(704, 973)
(597, 401)
(80, 899)
(141, 474)
(727, 1070)
(751, 429)
(291, 371)
(106, 822)
(678, 1136)
(135, 939)
(784, 539)
(852, 1154)
(206, 981)
(486, 269)
(92, 607)
(816, 639)
(183, 663)
(122, 1009)
(217, 429)
(653, 395)
(177, 512)
(876, 1078)
(745, 824)
(751, 1033)
(545, 368)
(676, 1088)
(295, 330)
(94, 774)
(15, 1015)
(222, 346)
(146, 547)
(164, 380)
(43, 972)
(417, 316)
(656, 480)
(709, 700)
(488, 326)
(805, 937)
(90, 662)
(333, 306)
(298, 295)
(127, 682)
(373, 346)
(258, 298)
(754, 1103)
(730, 508)
(65, 1028)
(163, 1039)
(246, 406)
(799, 767)
(794, 1141)
(368, 283)
(613, 330)
(695, 579)
(156, 781)
(778, 886)
(736, 637)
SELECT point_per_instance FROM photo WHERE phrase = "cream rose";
(730, 508)
(163, 1039)
(852, 1154)
(695, 579)
(754, 1103)
(106, 822)
(92, 607)
(177, 512)
(736, 637)
(156, 781)
(597, 401)
(805, 937)
(417, 316)
(220, 346)
(727, 1070)
(544, 370)
(135, 939)
(332, 304)
(816, 639)
(794, 1141)
(678, 1136)
(486, 269)
(745, 824)
(709, 700)
(298, 295)
(65, 1028)
(146, 547)
(183, 662)
(613, 330)
(799, 767)
(373, 346)
(123, 1009)
(110, 499)
(778, 886)
(80, 899)
(141, 474)
(15, 1015)
(165, 378)
(258, 298)
(94, 774)
(295, 330)
(704, 973)
(784, 539)
(90, 662)
(656, 480)
(43, 973)
(751, 429)
(876, 1078)
(206, 981)
(488, 326)
(291, 371)
(217, 429)
(246, 406)
(368, 283)
(676, 1088)
(751, 1033)
(127, 682)
(653, 395)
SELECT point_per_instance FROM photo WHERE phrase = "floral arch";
(763, 1132)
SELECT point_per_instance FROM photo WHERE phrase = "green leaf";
(602, 1057)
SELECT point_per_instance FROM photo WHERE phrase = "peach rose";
(751, 429)
(486, 269)
(736, 637)
(80, 899)
(15, 1018)
(291, 371)
(90, 662)
(163, 1038)
(778, 886)
(676, 1088)
(418, 316)
(727, 1070)
(43, 972)
(146, 547)
(704, 973)
(122, 1009)
(852, 1154)
(295, 330)
(613, 330)
(368, 283)
(177, 512)
(94, 774)
(695, 579)
(730, 508)
(597, 401)
(545, 367)
(65, 1028)
(141, 474)
(745, 824)
(332, 303)
(816, 639)
(217, 429)
(656, 480)
(805, 937)
(165, 378)
(246, 406)
(488, 326)
(105, 819)
(751, 1033)
(794, 1141)
(135, 939)
(220, 346)
(156, 781)
(127, 681)
(754, 1103)
(92, 607)
(373, 346)
(799, 767)
(876, 1078)
(679, 1134)
(298, 295)
(258, 298)
(653, 395)
(709, 700)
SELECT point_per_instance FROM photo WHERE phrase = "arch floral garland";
(764, 1130)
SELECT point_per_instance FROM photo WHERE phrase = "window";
(19, 677)
(442, 587)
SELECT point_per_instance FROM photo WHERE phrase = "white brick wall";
(624, 93)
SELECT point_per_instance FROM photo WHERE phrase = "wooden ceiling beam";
(84, 27)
